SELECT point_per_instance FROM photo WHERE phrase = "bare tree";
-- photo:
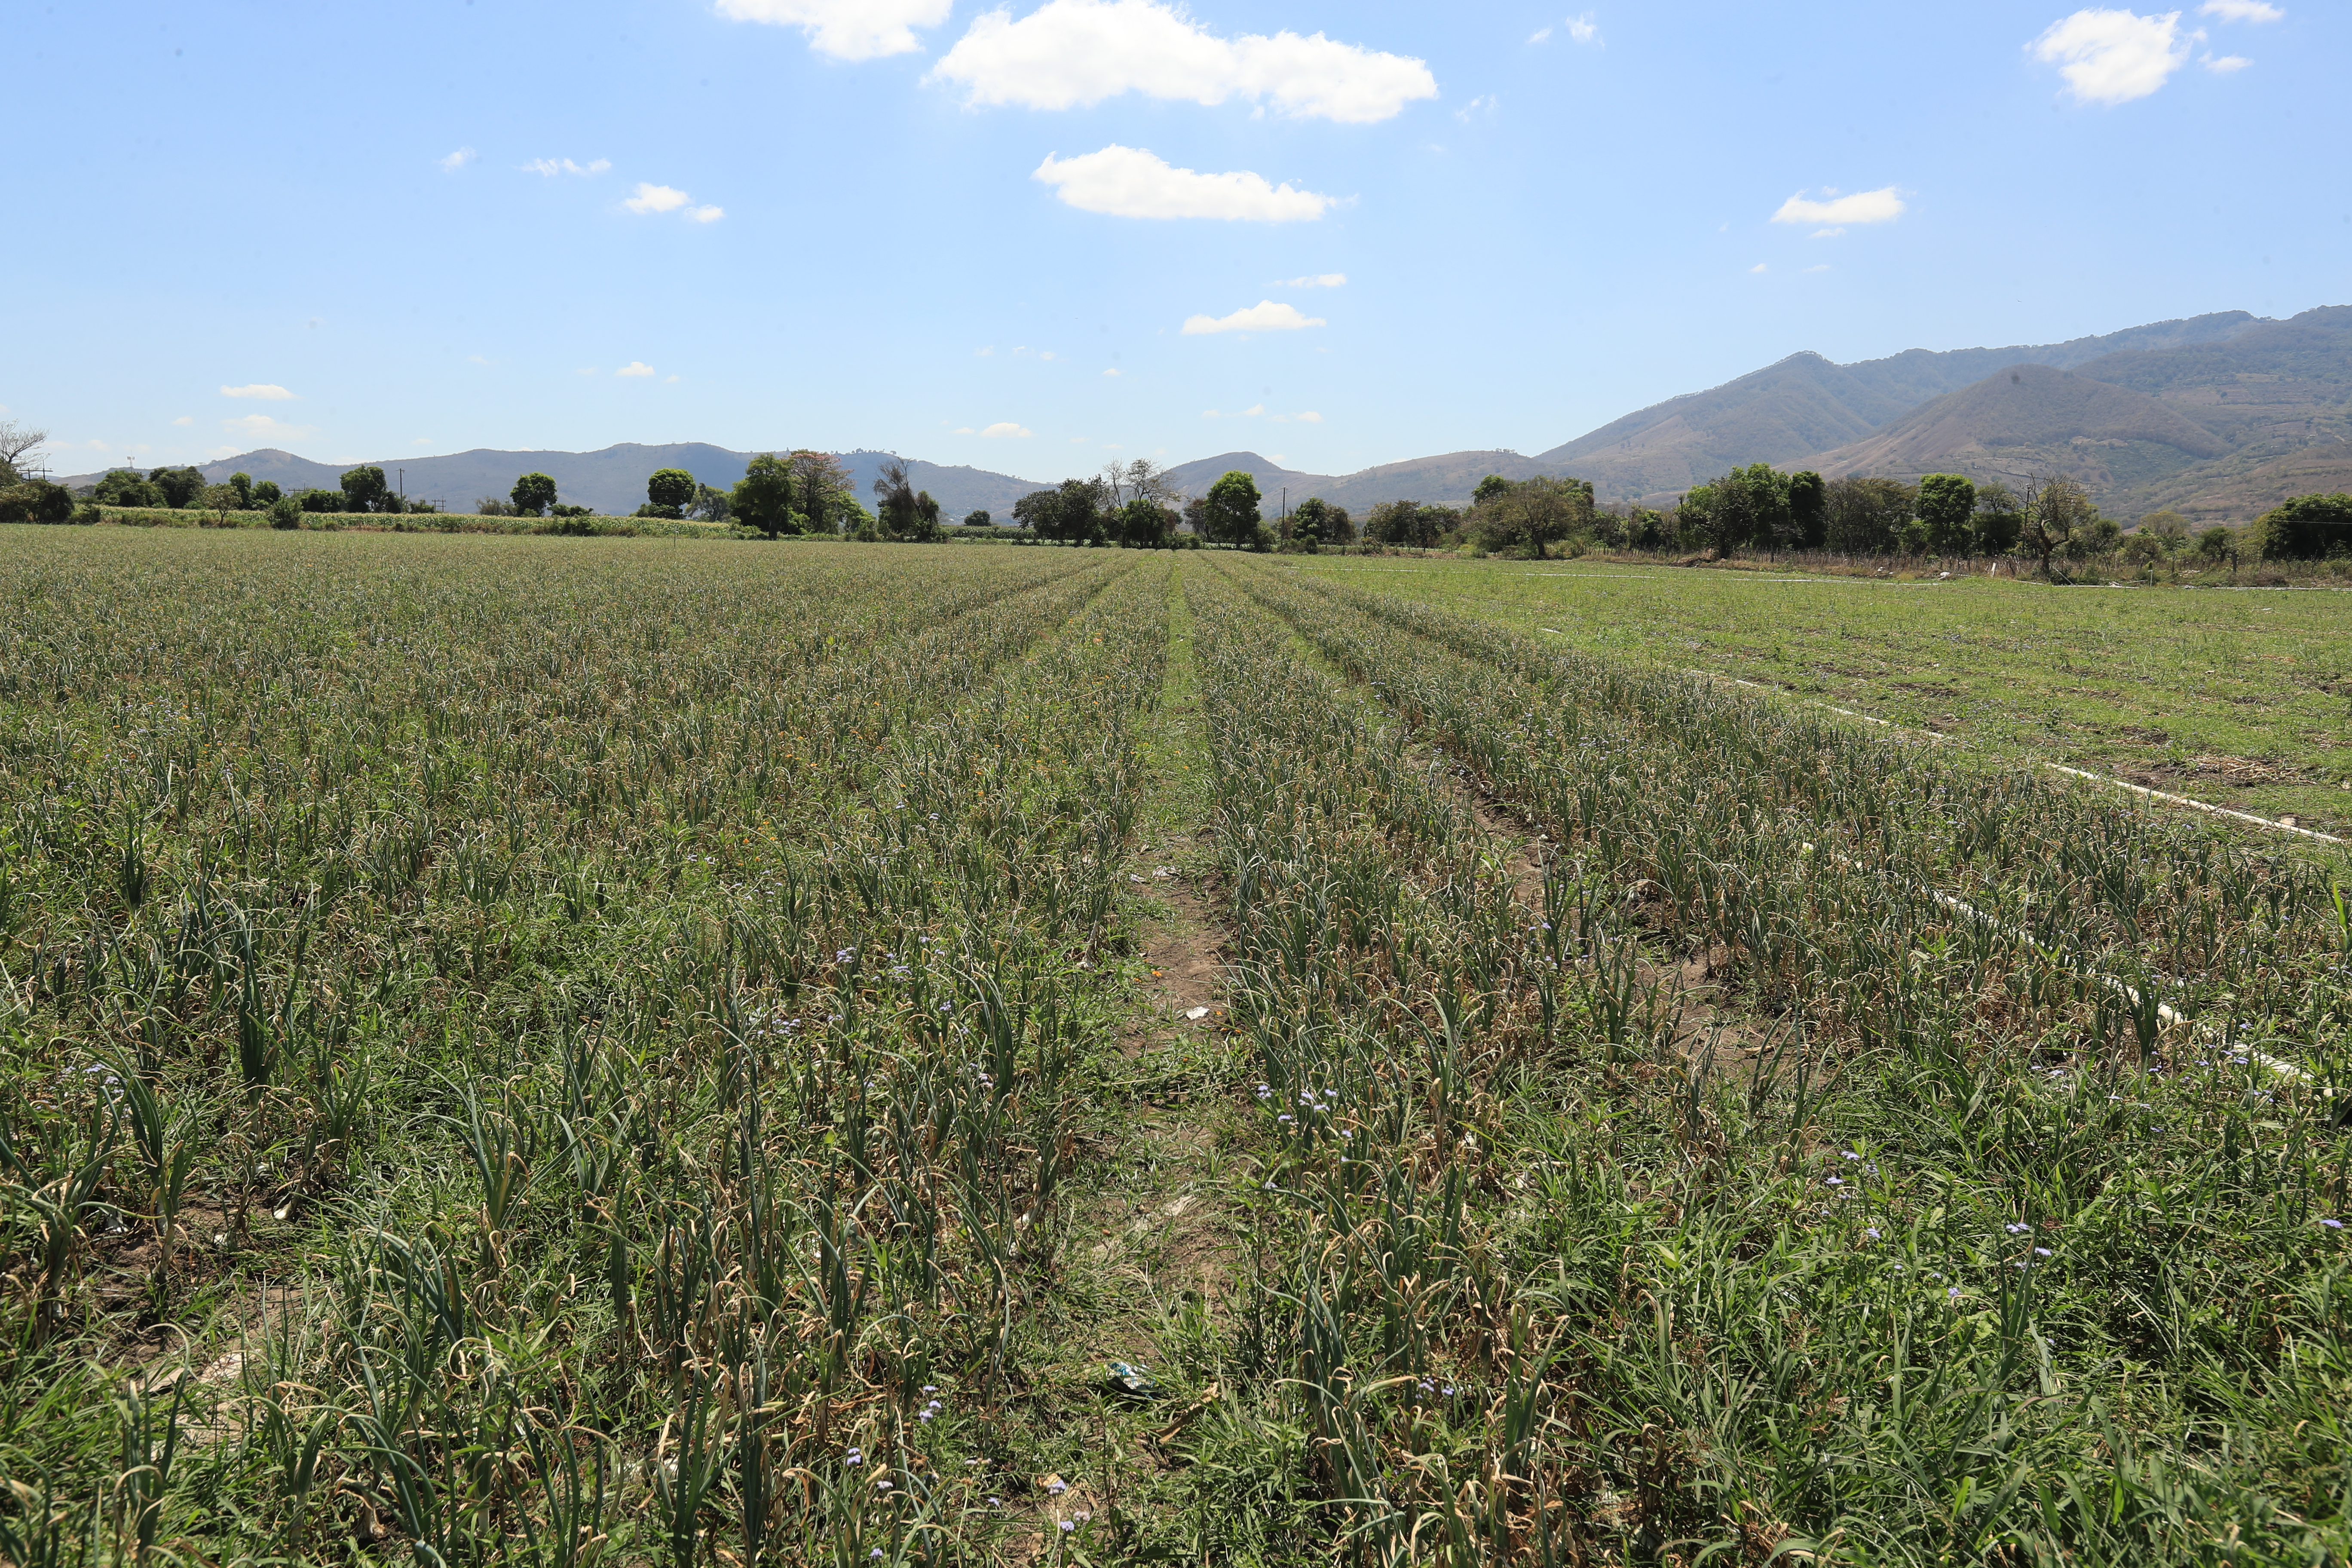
(19, 445)
(1148, 480)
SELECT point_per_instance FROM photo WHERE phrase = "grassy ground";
(555, 1051)
(2243, 699)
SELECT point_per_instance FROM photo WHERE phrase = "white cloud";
(989, 352)
(963, 430)
(1882, 205)
(1584, 29)
(1759, 266)
(257, 426)
(554, 166)
(1266, 316)
(422, 441)
(2112, 56)
(1252, 412)
(1315, 280)
(1111, 372)
(475, 359)
(1308, 418)
(1463, 113)
(260, 391)
(1819, 267)
(1079, 52)
(1045, 354)
(1825, 234)
(1129, 182)
(1539, 35)
(706, 214)
(585, 370)
(2227, 64)
(457, 160)
(846, 29)
(672, 380)
(634, 368)
(655, 199)
(185, 419)
(2242, 10)
(1005, 427)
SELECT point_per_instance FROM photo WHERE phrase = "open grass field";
(551, 1051)
(2241, 697)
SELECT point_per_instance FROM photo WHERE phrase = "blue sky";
(366, 230)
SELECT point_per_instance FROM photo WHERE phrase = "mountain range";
(2216, 416)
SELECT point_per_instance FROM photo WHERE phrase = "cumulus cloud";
(706, 214)
(1315, 280)
(1882, 205)
(1759, 266)
(963, 430)
(846, 29)
(1584, 29)
(1825, 234)
(457, 160)
(655, 199)
(1071, 53)
(1113, 370)
(260, 391)
(1006, 428)
(2112, 57)
(1130, 182)
(635, 367)
(185, 419)
(2241, 10)
(1266, 316)
(2227, 64)
(554, 166)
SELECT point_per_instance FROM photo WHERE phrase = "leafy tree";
(1807, 509)
(2214, 546)
(2309, 528)
(532, 494)
(2055, 509)
(824, 493)
(285, 512)
(1231, 513)
(1309, 522)
(365, 489)
(36, 501)
(762, 498)
(1144, 524)
(264, 493)
(710, 504)
(1488, 489)
(2000, 516)
(1072, 511)
(1530, 514)
(491, 506)
(978, 519)
(904, 512)
(127, 487)
(1410, 524)
(669, 491)
(319, 500)
(1865, 515)
(1748, 507)
(180, 486)
(2168, 526)
(1695, 513)
(242, 485)
(1948, 508)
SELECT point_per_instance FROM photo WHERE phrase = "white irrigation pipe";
(2140, 790)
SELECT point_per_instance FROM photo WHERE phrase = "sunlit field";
(564, 1050)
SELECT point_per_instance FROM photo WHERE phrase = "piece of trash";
(1125, 1377)
(1196, 1014)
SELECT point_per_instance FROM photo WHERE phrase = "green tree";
(317, 500)
(532, 494)
(127, 487)
(669, 491)
(762, 498)
(1072, 511)
(243, 485)
(1144, 524)
(265, 492)
(2307, 528)
(366, 490)
(2215, 546)
(285, 512)
(710, 504)
(1948, 507)
(2000, 516)
(1232, 513)
(824, 493)
(36, 501)
(1807, 509)
(1865, 514)
(978, 519)
(1410, 524)
(180, 486)
(904, 512)
(1529, 515)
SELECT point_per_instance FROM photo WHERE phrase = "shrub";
(36, 501)
(285, 513)
(2309, 528)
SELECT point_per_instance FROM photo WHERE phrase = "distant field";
(2241, 697)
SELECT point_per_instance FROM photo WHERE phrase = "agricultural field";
(555, 1051)
(2239, 697)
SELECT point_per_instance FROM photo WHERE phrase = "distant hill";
(611, 479)
(1806, 404)
(1446, 481)
(2217, 493)
(2031, 419)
